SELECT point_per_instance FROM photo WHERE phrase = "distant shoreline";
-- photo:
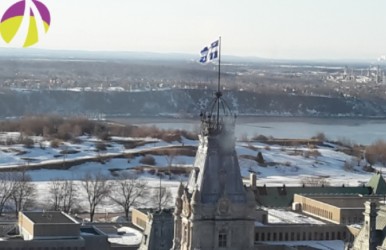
(254, 119)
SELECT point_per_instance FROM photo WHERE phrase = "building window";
(256, 236)
(222, 238)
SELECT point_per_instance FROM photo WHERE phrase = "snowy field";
(284, 165)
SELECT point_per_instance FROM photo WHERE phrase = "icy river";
(354, 130)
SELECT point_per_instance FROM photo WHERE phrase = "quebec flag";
(209, 53)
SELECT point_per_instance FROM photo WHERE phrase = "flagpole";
(218, 84)
(219, 63)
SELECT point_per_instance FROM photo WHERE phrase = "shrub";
(148, 160)
(319, 136)
(260, 138)
(28, 142)
(260, 158)
(315, 153)
(55, 143)
(348, 166)
(100, 146)
(151, 171)
(376, 152)
(76, 141)
(189, 135)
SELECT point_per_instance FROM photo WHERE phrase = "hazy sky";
(294, 29)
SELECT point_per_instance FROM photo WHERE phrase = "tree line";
(18, 193)
(70, 128)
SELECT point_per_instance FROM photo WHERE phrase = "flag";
(209, 53)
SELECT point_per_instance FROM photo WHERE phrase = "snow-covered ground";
(127, 236)
(284, 165)
(284, 216)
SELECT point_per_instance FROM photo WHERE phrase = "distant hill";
(181, 103)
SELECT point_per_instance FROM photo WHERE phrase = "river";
(360, 131)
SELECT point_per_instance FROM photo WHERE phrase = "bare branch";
(128, 190)
(97, 189)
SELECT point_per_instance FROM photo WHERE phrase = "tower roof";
(377, 182)
(217, 171)
(217, 117)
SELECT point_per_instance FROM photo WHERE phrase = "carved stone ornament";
(223, 206)
(178, 205)
(186, 207)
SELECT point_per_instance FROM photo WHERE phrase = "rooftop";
(377, 183)
(280, 216)
(49, 218)
(345, 201)
(283, 196)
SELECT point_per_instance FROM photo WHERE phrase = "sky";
(278, 29)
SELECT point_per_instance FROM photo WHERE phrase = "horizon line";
(194, 55)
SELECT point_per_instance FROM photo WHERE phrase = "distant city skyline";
(278, 29)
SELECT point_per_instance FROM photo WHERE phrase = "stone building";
(39, 230)
(339, 209)
(157, 226)
(372, 235)
(58, 231)
(215, 210)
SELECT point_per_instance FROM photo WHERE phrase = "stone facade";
(300, 232)
(367, 238)
(158, 232)
(339, 209)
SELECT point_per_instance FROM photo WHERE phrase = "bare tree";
(24, 191)
(63, 195)
(162, 196)
(170, 156)
(7, 186)
(128, 190)
(376, 153)
(97, 189)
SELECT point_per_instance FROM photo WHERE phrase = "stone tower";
(215, 210)
(367, 237)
